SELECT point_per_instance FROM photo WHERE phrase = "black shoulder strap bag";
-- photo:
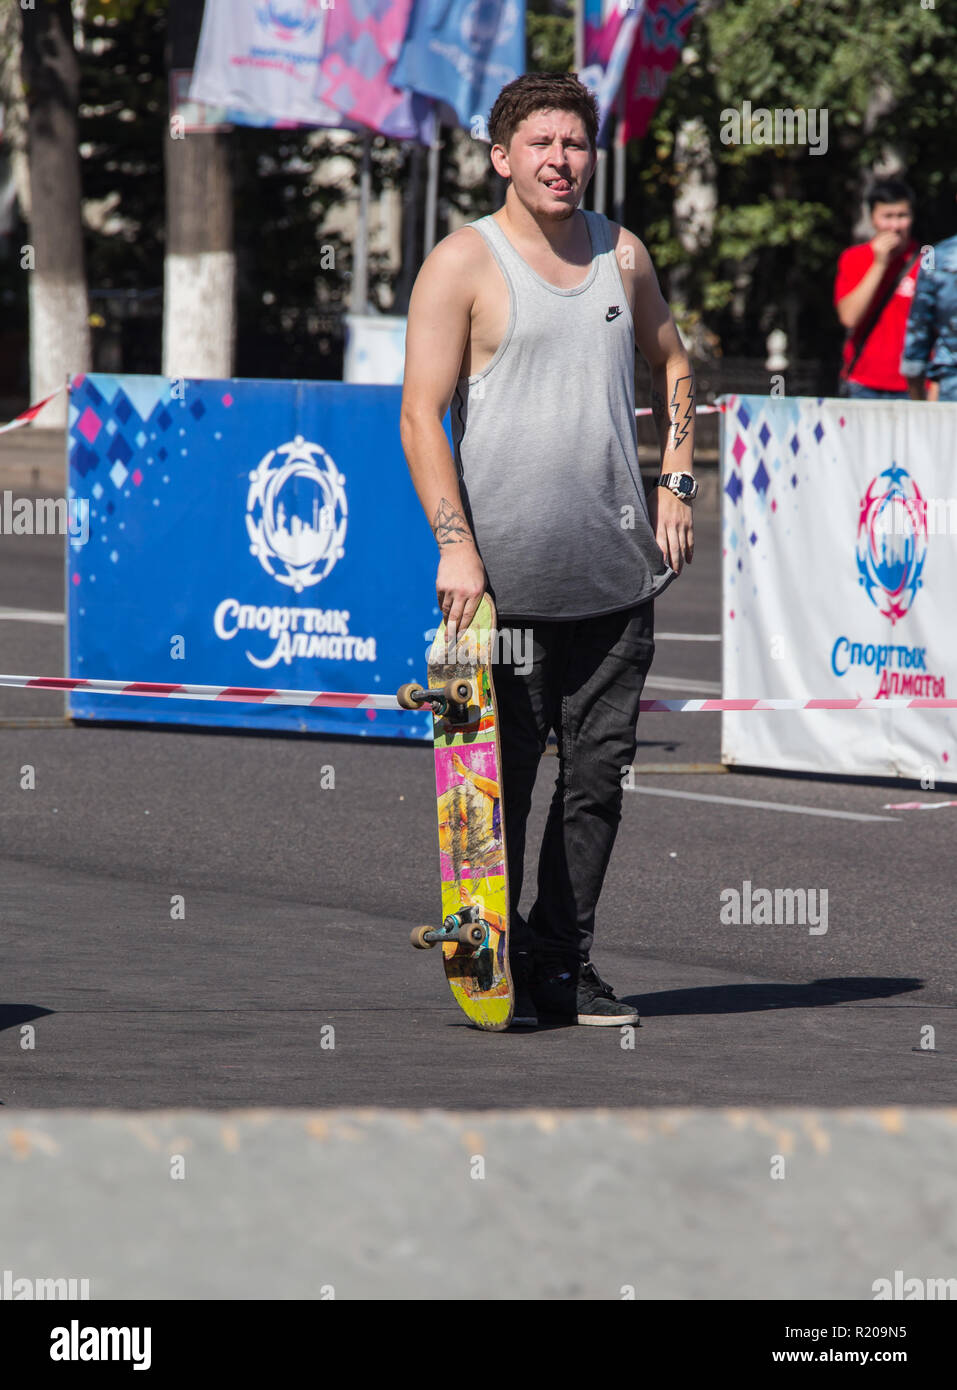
(844, 387)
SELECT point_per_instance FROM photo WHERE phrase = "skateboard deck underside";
(471, 830)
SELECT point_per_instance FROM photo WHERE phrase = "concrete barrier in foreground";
(374, 1204)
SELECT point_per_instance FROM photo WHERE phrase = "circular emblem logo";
(892, 542)
(290, 19)
(296, 514)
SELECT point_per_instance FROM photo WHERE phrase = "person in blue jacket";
(930, 344)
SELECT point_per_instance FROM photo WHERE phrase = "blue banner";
(463, 52)
(252, 533)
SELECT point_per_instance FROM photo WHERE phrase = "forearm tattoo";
(682, 410)
(674, 422)
(449, 526)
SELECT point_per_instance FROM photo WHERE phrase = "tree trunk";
(199, 308)
(59, 311)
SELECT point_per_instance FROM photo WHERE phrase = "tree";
(199, 314)
(884, 76)
(14, 176)
(59, 313)
(123, 121)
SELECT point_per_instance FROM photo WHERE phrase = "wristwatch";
(683, 485)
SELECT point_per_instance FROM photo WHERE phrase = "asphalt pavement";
(288, 979)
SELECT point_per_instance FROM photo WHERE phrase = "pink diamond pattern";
(89, 424)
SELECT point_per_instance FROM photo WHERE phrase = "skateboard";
(468, 784)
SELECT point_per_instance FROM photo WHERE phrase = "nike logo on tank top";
(546, 445)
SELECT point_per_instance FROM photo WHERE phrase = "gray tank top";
(546, 446)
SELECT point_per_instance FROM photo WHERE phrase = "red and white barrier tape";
(916, 805)
(698, 410)
(231, 693)
(34, 410)
(30, 414)
(333, 699)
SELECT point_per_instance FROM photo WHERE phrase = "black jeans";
(585, 681)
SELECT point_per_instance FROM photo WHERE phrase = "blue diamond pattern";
(734, 488)
(765, 435)
(761, 479)
(744, 417)
(119, 449)
(84, 459)
(819, 432)
(795, 444)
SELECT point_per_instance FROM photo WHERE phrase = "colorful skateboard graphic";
(474, 875)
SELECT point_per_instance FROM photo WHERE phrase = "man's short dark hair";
(537, 91)
(891, 190)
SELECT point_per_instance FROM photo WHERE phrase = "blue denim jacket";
(933, 318)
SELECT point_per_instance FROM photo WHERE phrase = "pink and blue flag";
(361, 44)
(657, 47)
(610, 32)
(463, 52)
(630, 52)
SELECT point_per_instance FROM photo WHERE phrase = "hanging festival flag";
(611, 29)
(260, 59)
(362, 43)
(657, 47)
(463, 52)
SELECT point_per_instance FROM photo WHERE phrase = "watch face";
(686, 484)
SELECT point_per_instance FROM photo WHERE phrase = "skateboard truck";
(450, 701)
(466, 927)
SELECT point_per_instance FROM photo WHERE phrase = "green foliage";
(887, 78)
(886, 75)
(550, 43)
(122, 122)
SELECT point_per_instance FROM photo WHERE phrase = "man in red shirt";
(865, 275)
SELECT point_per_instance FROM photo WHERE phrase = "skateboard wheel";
(405, 695)
(417, 937)
(472, 936)
(458, 692)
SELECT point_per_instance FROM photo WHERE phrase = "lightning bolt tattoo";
(682, 400)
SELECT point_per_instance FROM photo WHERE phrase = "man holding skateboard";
(526, 323)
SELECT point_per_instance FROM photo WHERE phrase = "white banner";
(839, 542)
(375, 349)
(262, 57)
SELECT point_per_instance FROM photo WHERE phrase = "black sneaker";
(524, 1013)
(580, 994)
(597, 1003)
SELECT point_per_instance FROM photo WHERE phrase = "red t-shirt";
(879, 364)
